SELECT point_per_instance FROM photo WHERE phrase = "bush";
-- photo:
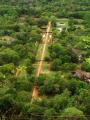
(74, 113)
(9, 56)
(86, 67)
(56, 64)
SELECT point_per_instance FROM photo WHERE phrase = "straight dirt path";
(43, 52)
(45, 39)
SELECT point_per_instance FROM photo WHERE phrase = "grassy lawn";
(39, 53)
(35, 67)
(45, 67)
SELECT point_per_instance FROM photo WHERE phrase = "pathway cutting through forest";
(44, 48)
(45, 40)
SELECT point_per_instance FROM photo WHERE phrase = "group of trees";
(17, 55)
(59, 56)
(63, 96)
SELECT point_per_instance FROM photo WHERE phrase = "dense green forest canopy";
(65, 91)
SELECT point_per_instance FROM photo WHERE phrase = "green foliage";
(35, 35)
(22, 23)
(55, 66)
(9, 56)
(72, 111)
(86, 65)
(7, 68)
(61, 101)
(49, 113)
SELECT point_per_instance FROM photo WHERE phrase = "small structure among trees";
(82, 75)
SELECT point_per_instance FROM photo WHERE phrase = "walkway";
(45, 40)
(44, 48)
